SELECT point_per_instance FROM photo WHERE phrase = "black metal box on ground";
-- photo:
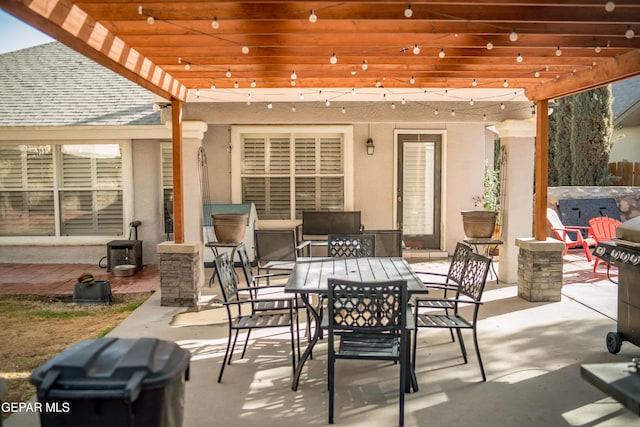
(120, 252)
(97, 292)
(114, 382)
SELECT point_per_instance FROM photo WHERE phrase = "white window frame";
(127, 195)
(237, 133)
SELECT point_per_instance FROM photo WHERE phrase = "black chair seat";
(363, 346)
(442, 321)
(262, 321)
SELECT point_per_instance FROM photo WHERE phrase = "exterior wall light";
(370, 147)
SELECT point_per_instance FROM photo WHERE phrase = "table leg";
(310, 344)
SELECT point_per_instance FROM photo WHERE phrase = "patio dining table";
(310, 276)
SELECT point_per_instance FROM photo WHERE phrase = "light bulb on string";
(453, 113)
(294, 75)
(245, 49)
(344, 110)
(353, 91)
(629, 33)
(393, 106)
(489, 45)
(301, 96)
(228, 73)
(269, 106)
(151, 20)
(416, 49)
(474, 83)
(436, 112)
(609, 6)
(213, 87)
(293, 108)
(254, 83)
(215, 24)
(505, 83)
(502, 106)
(313, 17)
(513, 36)
(404, 101)
(333, 59)
(558, 51)
(408, 13)
(412, 80)
(441, 54)
(597, 49)
(536, 74)
(236, 85)
(327, 103)
(471, 101)
(484, 117)
(519, 58)
(293, 83)
(365, 65)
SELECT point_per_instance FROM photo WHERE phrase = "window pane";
(91, 166)
(279, 157)
(26, 166)
(305, 155)
(25, 213)
(331, 155)
(86, 213)
(271, 196)
(253, 155)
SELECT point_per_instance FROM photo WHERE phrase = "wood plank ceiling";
(545, 48)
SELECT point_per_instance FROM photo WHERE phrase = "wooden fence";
(627, 172)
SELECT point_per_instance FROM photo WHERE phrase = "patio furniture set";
(370, 306)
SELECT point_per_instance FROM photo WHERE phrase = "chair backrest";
(352, 245)
(330, 222)
(556, 225)
(604, 228)
(458, 263)
(388, 242)
(275, 245)
(241, 250)
(474, 277)
(367, 306)
(226, 278)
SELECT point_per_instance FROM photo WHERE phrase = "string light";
(536, 74)
(404, 101)
(412, 80)
(344, 110)
(474, 83)
(378, 84)
(502, 106)
(558, 51)
(353, 91)
(254, 83)
(471, 101)
(213, 87)
(294, 75)
(519, 58)
(215, 24)
(293, 82)
(513, 36)
(408, 13)
(609, 6)
(150, 20)
(365, 65)
(301, 96)
(313, 17)
(436, 112)
(453, 113)
(416, 49)
(484, 117)
(489, 45)
(269, 106)
(228, 73)
(245, 49)
(505, 83)
(293, 108)
(598, 49)
(441, 54)
(334, 59)
(327, 103)
(629, 33)
(236, 85)
(393, 106)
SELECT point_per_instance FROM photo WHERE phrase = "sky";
(16, 35)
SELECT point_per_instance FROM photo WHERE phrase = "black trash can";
(114, 382)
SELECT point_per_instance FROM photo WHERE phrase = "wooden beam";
(542, 170)
(608, 71)
(178, 194)
(69, 24)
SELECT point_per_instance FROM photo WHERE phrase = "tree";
(580, 139)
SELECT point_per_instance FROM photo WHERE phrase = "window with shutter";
(285, 170)
(167, 185)
(54, 190)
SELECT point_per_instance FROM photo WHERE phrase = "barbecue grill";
(624, 252)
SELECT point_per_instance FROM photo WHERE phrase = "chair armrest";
(258, 300)
(257, 288)
(430, 273)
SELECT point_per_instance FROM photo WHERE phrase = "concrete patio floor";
(532, 354)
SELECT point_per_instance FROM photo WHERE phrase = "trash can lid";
(120, 365)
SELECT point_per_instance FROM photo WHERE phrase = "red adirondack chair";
(603, 229)
(569, 235)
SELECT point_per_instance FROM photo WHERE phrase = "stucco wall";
(626, 145)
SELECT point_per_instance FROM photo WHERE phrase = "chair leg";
(403, 386)
(475, 342)
(462, 348)
(293, 348)
(415, 344)
(224, 361)
(246, 341)
(595, 264)
(586, 250)
(330, 372)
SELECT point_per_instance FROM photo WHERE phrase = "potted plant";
(483, 223)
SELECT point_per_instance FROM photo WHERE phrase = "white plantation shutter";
(26, 190)
(311, 167)
(91, 190)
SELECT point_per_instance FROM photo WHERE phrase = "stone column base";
(540, 269)
(181, 273)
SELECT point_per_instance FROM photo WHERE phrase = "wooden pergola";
(174, 48)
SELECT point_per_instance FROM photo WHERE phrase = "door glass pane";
(418, 186)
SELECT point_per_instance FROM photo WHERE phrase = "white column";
(518, 138)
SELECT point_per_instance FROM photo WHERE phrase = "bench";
(317, 225)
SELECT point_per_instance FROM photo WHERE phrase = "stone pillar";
(518, 139)
(540, 269)
(181, 273)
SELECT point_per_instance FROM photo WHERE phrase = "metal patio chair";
(280, 318)
(351, 245)
(277, 250)
(370, 320)
(468, 292)
(388, 242)
(452, 279)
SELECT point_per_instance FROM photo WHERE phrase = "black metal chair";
(237, 321)
(270, 290)
(388, 242)
(351, 245)
(452, 280)
(469, 291)
(277, 249)
(371, 322)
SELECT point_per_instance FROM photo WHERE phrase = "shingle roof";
(626, 101)
(53, 85)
